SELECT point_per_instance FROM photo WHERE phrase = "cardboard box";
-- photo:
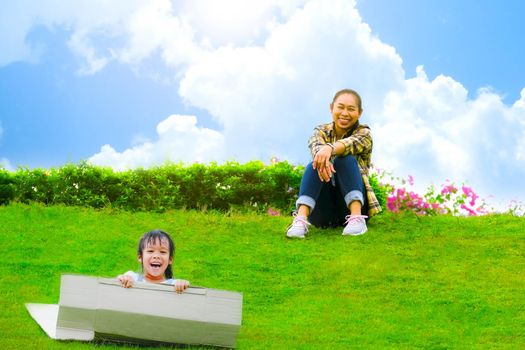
(100, 308)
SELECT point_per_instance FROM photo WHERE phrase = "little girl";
(155, 253)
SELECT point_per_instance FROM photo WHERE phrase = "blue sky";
(135, 83)
(478, 43)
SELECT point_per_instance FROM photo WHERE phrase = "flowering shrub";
(449, 199)
(269, 188)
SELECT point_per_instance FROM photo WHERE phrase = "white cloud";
(431, 129)
(270, 96)
(266, 96)
(179, 139)
(15, 24)
(235, 22)
(153, 29)
(520, 104)
(88, 21)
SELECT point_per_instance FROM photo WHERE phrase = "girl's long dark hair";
(152, 237)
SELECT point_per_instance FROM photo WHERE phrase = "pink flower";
(391, 204)
(467, 190)
(273, 212)
(470, 193)
(448, 189)
(468, 210)
(410, 180)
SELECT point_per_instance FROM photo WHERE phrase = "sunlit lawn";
(430, 283)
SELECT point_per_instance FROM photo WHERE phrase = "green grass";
(410, 283)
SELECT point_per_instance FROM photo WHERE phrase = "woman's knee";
(310, 182)
(309, 170)
(349, 159)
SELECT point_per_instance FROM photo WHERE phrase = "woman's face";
(345, 112)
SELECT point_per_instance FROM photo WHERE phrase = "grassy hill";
(410, 282)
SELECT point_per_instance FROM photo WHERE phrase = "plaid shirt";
(358, 142)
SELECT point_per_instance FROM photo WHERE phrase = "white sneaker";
(355, 225)
(298, 228)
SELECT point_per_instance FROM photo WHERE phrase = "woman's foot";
(355, 225)
(298, 228)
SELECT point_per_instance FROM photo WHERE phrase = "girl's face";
(155, 259)
(345, 113)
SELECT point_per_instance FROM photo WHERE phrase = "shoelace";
(354, 218)
(300, 219)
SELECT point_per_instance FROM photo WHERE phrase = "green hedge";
(197, 186)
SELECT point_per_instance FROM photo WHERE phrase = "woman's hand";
(126, 281)
(181, 285)
(325, 168)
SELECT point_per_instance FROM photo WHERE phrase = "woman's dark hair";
(152, 237)
(351, 92)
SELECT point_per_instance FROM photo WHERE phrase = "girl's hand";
(181, 285)
(322, 164)
(126, 281)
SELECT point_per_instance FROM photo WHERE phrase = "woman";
(335, 190)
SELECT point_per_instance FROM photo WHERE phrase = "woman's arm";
(316, 141)
(322, 163)
(321, 152)
(359, 142)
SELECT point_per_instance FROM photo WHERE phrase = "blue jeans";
(329, 201)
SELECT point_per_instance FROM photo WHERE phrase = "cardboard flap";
(46, 317)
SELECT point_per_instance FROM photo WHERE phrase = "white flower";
(223, 187)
